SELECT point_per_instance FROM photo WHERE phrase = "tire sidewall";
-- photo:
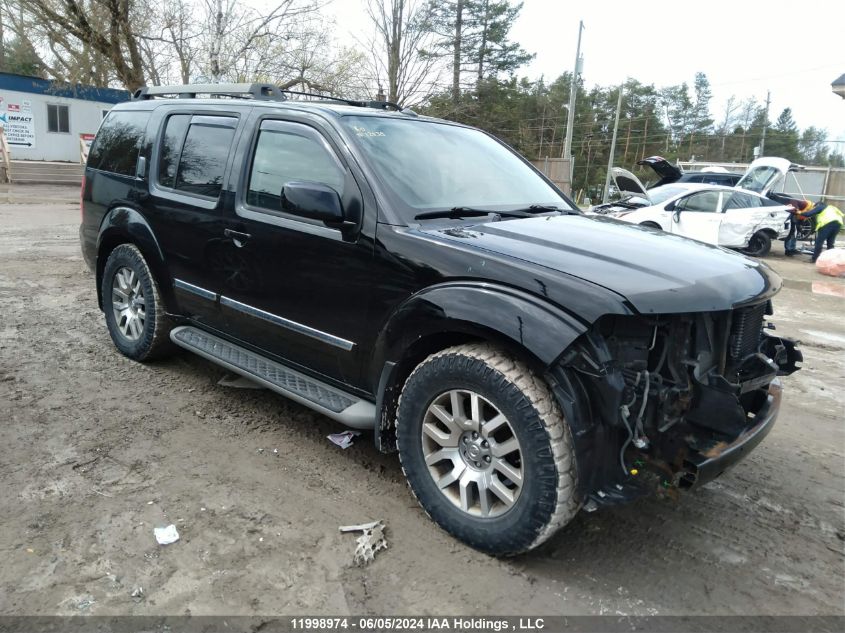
(128, 256)
(517, 529)
(763, 246)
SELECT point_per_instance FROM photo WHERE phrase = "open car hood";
(628, 183)
(667, 172)
(765, 173)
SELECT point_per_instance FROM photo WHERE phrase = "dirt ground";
(96, 451)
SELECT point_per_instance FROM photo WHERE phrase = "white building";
(45, 120)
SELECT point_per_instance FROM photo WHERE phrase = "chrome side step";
(334, 403)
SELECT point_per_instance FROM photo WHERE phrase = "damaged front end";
(670, 401)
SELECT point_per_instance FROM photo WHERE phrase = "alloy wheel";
(128, 303)
(472, 453)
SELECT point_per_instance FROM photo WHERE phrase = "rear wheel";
(759, 245)
(135, 315)
(485, 449)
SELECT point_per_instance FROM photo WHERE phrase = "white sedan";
(726, 216)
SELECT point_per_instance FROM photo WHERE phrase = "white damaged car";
(740, 217)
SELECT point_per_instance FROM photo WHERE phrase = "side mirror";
(312, 200)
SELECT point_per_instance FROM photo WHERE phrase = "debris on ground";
(166, 535)
(238, 382)
(371, 541)
(344, 439)
(137, 593)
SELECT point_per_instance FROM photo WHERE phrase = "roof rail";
(378, 105)
(266, 92)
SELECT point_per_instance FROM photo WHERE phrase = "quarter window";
(118, 142)
(286, 156)
(58, 118)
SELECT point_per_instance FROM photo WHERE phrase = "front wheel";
(486, 450)
(759, 245)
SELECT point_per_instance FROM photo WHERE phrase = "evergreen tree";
(21, 59)
(473, 35)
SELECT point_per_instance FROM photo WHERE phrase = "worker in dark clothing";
(829, 222)
(798, 207)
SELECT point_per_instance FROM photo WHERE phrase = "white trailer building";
(44, 120)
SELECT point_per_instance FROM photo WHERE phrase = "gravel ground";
(97, 450)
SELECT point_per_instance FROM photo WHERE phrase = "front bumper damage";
(669, 403)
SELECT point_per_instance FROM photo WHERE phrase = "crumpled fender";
(735, 231)
(479, 309)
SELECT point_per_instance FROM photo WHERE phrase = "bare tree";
(729, 118)
(106, 27)
(401, 34)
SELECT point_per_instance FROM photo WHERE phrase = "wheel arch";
(457, 313)
(124, 225)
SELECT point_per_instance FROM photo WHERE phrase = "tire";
(127, 280)
(759, 245)
(652, 225)
(546, 498)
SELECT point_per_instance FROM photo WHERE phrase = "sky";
(745, 47)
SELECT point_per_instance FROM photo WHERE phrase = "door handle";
(237, 236)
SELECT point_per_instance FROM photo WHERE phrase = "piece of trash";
(275, 451)
(371, 541)
(29, 550)
(344, 439)
(238, 382)
(166, 535)
(202, 509)
(138, 592)
(85, 603)
(149, 503)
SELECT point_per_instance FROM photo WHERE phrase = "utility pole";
(573, 88)
(612, 149)
(765, 124)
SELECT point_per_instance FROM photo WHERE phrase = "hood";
(666, 171)
(765, 173)
(628, 183)
(656, 272)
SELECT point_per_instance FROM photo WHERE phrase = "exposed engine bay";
(672, 399)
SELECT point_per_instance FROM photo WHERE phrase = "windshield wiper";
(468, 212)
(542, 208)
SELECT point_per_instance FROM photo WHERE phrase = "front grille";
(746, 330)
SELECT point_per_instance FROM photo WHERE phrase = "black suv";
(420, 279)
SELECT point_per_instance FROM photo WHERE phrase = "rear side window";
(193, 155)
(118, 142)
(741, 201)
(171, 145)
(282, 157)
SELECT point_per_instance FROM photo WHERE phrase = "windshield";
(758, 178)
(659, 195)
(427, 166)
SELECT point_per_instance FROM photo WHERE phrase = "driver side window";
(703, 201)
(281, 156)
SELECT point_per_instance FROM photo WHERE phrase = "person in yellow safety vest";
(829, 221)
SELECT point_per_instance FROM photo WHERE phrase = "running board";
(330, 401)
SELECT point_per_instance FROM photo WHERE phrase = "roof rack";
(266, 92)
(260, 91)
(379, 105)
